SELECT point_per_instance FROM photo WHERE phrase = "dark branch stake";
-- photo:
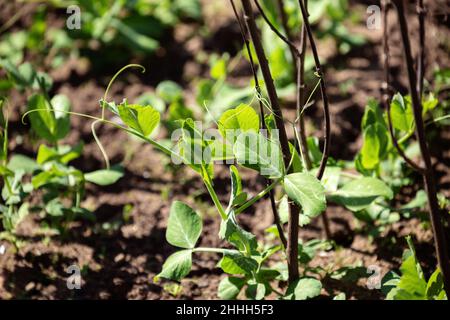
(292, 246)
(386, 92)
(301, 89)
(299, 56)
(276, 216)
(327, 129)
(287, 30)
(421, 61)
(428, 175)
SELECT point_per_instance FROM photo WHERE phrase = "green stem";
(260, 195)
(215, 199)
(214, 250)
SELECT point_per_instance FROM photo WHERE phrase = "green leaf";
(22, 75)
(21, 162)
(435, 286)
(63, 154)
(184, 226)
(137, 39)
(306, 191)
(237, 196)
(61, 104)
(143, 119)
(169, 91)
(360, 193)
(401, 113)
(237, 263)
(256, 290)
(412, 284)
(233, 233)
(43, 121)
(305, 288)
(238, 120)
(254, 151)
(375, 145)
(105, 177)
(372, 115)
(230, 287)
(177, 266)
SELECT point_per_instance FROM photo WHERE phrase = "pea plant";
(300, 179)
(242, 138)
(60, 185)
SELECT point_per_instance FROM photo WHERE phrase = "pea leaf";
(233, 233)
(105, 177)
(230, 287)
(256, 290)
(143, 119)
(47, 123)
(61, 104)
(307, 191)
(374, 146)
(237, 263)
(360, 193)
(305, 288)
(21, 162)
(254, 151)
(177, 266)
(169, 91)
(240, 119)
(43, 120)
(435, 286)
(401, 113)
(184, 226)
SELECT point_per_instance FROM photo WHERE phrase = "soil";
(120, 253)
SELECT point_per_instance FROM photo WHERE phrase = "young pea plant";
(412, 284)
(416, 85)
(241, 142)
(13, 210)
(61, 186)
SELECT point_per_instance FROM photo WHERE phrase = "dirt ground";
(124, 249)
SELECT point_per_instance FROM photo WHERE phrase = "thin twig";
(301, 89)
(287, 30)
(276, 216)
(292, 245)
(421, 12)
(288, 41)
(428, 176)
(386, 92)
(298, 57)
(397, 146)
(327, 126)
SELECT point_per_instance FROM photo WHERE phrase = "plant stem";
(292, 246)
(306, 31)
(428, 175)
(253, 200)
(301, 88)
(214, 250)
(327, 126)
(215, 199)
(421, 12)
(298, 56)
(276, 216)
(287, 30)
